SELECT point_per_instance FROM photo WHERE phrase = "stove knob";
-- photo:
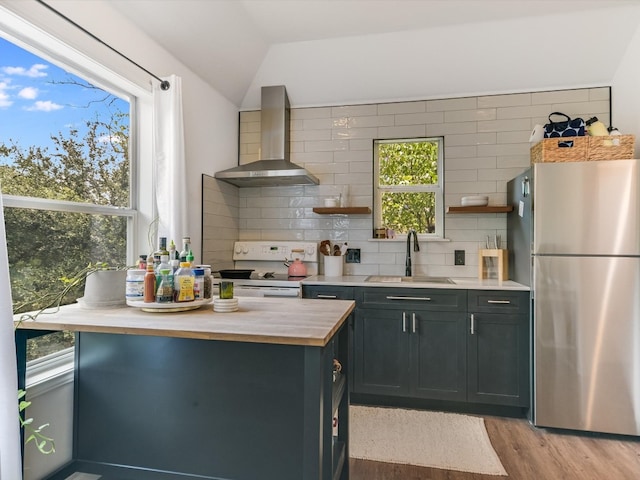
(311, 250)
(245, 249)
(239, 248)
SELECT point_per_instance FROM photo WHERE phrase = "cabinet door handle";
(404, 322)
(473, 326)
(424, 299)
(333, 297)
(413, 323)
(501, 302)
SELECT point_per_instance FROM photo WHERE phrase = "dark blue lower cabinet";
(175, 408)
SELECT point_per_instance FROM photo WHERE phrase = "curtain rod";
(164, 85)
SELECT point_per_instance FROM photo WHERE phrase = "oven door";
(263, 291)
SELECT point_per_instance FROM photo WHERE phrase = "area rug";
(428, 439)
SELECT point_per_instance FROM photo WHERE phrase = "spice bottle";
(183, 283)
(164, 294)
(198, 286)
(150, 284)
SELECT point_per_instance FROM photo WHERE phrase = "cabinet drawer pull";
(473, 321)
(424, 299)
(327, 296)
(501, 302)
(413, 323)
(404, 322)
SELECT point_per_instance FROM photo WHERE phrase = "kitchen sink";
(399, 279)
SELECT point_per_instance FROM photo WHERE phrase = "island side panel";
(223, 409)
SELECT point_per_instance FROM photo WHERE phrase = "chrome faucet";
(416, 248)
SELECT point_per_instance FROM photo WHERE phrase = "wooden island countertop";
(305, 322)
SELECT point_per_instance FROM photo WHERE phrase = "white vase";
(104, 289)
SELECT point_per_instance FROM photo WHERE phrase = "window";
(408, 185)
(65, 174)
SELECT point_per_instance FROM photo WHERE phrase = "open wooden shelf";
(341, 210)
(485, 209)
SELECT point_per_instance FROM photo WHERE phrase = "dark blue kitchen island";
(205, 395)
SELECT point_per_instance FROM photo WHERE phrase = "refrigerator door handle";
(525, 187)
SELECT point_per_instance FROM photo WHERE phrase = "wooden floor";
(529, 453)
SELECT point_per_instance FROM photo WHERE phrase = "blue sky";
(32, 107)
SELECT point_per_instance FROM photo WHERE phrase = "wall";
(626, 98)
(486, 144)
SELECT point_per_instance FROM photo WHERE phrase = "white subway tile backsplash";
(306, 113)
(444, 129)
(502, 126)
(354, 111)
(560, 96)
(470, 139)
(466, 103)
(512, 100)
(402, 107)
(523, 112)
(486, 144)
(348, 133)
(419, 118)
(403, 131)
(470, 115)
(601, 93)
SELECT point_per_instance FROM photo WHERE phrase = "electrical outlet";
(458, 257)
(353, 255)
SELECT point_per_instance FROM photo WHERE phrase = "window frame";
(436, 188)
(141, 210)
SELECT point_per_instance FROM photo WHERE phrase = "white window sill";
(50, 372)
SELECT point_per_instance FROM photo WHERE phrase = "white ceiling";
(226, 42)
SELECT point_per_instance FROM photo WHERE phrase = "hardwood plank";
(529, 453)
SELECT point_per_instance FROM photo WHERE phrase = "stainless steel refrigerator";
(574, 237)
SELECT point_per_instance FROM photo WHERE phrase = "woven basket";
(583, 149)
(603, 148)
(550, 150)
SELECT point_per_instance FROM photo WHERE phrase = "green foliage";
(44, 444)
(404, 166)
(45, 246)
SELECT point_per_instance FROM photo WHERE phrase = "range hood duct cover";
(274, 167)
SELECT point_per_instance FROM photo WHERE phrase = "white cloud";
(45, 106)
(28, 93)
(33, 72)
(4, 100)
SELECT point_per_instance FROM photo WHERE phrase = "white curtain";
(10, 461)
(169, 160)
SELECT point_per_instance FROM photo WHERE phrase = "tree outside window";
(65, 177)
(408, 185)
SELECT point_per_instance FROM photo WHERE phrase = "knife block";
(503, 262)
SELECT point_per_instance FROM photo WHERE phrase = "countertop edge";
(291, 328)
(459, 283)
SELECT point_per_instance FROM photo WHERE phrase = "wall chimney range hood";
(274, 167)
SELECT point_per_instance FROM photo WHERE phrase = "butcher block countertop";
(294, 321)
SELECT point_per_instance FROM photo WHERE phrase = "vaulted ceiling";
(473, 46)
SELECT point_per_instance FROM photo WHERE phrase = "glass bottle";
(183, 283)
(164, 294)
(186, 248)
(150, 284)
(173, 252)
(162, 250)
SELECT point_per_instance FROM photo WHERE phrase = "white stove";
(270, 276)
